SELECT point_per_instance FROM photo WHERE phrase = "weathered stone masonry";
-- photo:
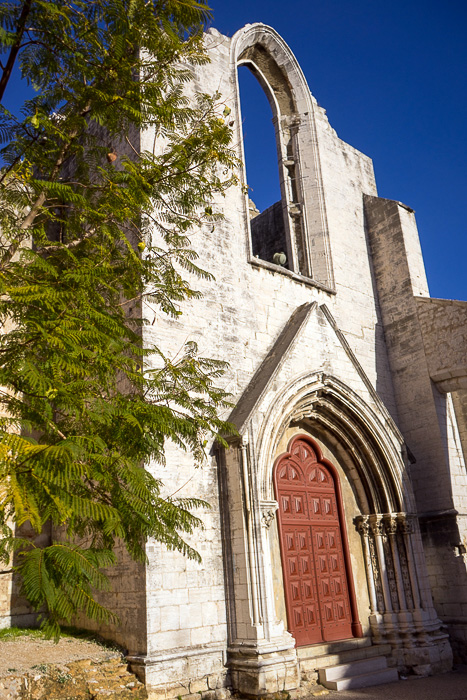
(340, 509)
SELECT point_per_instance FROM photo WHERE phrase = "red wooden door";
(315, 580)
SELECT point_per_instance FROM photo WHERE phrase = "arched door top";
(306, 456)
(323, 404)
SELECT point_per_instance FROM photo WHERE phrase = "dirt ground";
(19, 654)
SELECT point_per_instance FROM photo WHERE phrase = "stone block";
(422, 670)
(218, 633)
(191, 616)
(200, 595)
(292, 676)
(209, 613)
(200, 635)
(175, 690)
(223, 694)
(209, 695)
(200, 685)
(169, 640)
(215, 681)
(170, 618)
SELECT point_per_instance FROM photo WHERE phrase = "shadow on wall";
(15, 611)
(268, 232)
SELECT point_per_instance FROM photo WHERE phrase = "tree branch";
(15, 48)
(36, 207)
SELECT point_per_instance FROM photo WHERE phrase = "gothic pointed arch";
(380, 520)
(370, 444)
(303, 212)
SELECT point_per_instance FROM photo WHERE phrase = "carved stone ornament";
(405, 571)
(405, 524)
(390, 573)
(376, 574)
(378, 527)
(363, 526)
(390, 524)
(268, 511)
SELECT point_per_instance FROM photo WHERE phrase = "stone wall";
(426, 416)
(127, 599)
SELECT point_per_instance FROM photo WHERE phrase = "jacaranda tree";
(91, 229)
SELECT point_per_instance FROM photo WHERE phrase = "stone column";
(252, 568)
(377, 527)
(390, 524)
(363, 527)
(406, 527)
(261, 656)
(268, 512)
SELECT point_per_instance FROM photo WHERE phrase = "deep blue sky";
(392, 76)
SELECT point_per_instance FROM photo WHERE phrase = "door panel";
(315, 579)
(301, 593)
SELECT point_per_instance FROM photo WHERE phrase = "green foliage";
(40, 667)
(63, 678)
(12, 633)
(94, 228)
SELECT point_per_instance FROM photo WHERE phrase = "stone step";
(354, 668)
(316, 650)
(386, 675)
(312, 661)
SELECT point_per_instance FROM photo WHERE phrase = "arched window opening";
(280, 227)
(265, 205)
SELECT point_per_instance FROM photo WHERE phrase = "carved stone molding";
(268, 511)
(405, 571)
(375, 567)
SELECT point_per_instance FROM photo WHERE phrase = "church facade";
(338, 522)
(337, 528)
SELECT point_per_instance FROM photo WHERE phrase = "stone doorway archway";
(314, 547)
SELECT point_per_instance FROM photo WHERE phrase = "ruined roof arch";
(271, 60)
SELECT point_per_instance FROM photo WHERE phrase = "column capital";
(362, 523)
(377, 526)
(391, 523)
(405, 523)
